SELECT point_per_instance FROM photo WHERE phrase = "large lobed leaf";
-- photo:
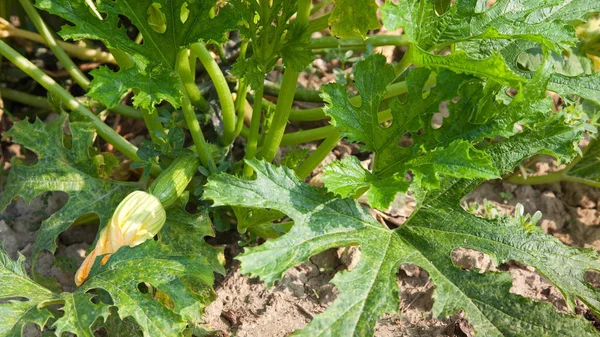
(179, 269)
(477, 111)
(61, 168)
(499, 32)
(430, 25)
(427, 239)
(166, 26)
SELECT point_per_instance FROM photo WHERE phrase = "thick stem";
(196, 133)
(60, 54)
(253, 135)
(225, 98)
(286, 97)
(357, 42)
(42, 103)
(240, 101)
(537, 180)
(107, 133)
(155, 128)
(406, 61)
(301, 94)
(318, 155)
(240, 106)
(319, 24)
(281, 115)
(305, 136)
(25, 98)
(183, 68)
(188, 77)
(8, 30)
(551, 178)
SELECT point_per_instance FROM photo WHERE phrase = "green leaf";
(249, 219)
(70, 170)
(427, 239)
(115, 327)
(349, 179)
(268, 26)
(20, 297)
(523, 57)
(179, 268)
(543, 21)
(448, 150)
(493, 67)
(164, 33)
(80, 313)
(585, 170)
(353, 17)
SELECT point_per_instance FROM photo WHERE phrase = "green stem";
(254, 129)
(319, 6)
(124, 60)
(227, 106)
(42, 103)
(240, 106)
(301, 94)
(196, 133)
(60, 54)
(127, 111)
(242, 93)
(107, 133)
(220, 52)
(318, 24)
(318, 155)
(188, 77)
(183, 68)
(281, 115)
(306, 136)
(406, 61)
(286, 98)
(316, 114)
(550, 178)
(4, 13)
(8, 30)
(357, 42)
(155, 128)
(25, 98)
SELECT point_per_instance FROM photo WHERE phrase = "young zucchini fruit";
(171, 183)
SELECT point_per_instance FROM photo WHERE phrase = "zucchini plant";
(490, 65)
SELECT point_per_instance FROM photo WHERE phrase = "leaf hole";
(130, 30)
(468, 259)
(437, 119)
(416, 288)
(416, 294)
(593, 278)
(143, 287)
(406, 141)
(529, 283)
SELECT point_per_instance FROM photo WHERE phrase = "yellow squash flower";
(139, 217)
